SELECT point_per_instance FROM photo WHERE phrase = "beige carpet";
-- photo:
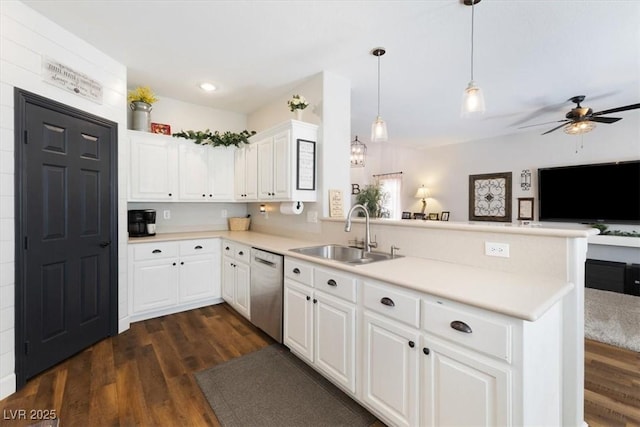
(612, 318)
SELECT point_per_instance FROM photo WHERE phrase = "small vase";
(299, 115)
(141, 118)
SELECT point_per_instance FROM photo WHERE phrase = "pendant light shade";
(379, 127)
(472, 98)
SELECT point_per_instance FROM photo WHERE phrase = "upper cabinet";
(246, 173)
(164, 168)
(287, 162)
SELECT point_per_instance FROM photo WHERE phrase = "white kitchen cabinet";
(278, 159)
(236, 273)
(193, 171)
(168, 277)
(461, 388)
(246, 173)
(221, 173)
(390, 374)
(319, 326)
(153, 168)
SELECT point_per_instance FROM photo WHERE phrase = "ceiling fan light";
(379, 130)
(472, 101)
(579, 128)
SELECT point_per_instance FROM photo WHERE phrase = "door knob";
(105, 244)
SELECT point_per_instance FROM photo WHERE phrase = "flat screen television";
(594, 193)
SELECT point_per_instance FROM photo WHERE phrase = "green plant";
(142, 94)
(216, 139)
(605, 232)
(373, 198)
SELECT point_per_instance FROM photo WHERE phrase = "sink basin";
(344, 254)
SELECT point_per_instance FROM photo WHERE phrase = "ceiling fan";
(582, 120)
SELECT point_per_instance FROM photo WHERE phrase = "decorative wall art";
(161, 128)
(444, 216)
(490, 197)
(306, 160)
(434, 217)
(525, 208)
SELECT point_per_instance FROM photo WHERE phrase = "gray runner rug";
(272, 387)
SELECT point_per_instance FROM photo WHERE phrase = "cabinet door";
(390, 369)
(265, 169)
(228, 281)
(221, 173)
(459, 389)
(194, 171)
(243, 276)
(155, 284)
(251, 172)
(239, 171)
(282, 166)
(154, 168)
(298, 319)
(334, 336)
(198, 278)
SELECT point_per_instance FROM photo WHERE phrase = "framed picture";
(418, 215)
(525, 208)
(444, 216)
(433, 216)
(306, 160)
(406, 215)
(490, 197)
(160, 128)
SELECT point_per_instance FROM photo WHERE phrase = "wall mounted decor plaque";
(490, 197)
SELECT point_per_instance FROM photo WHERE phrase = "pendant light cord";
(472, 19)
(378, 85)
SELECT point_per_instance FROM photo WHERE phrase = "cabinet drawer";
(242, 253)
(333, 283)
(298, 271)
(228, 248)
(198, 247)
(484, 332)
(158, 250)
(393, 303)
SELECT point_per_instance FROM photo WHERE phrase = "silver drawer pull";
(296, 270)
(387, 301)
(198, 247)
(461, 326)
(331, 282)
(156, 251)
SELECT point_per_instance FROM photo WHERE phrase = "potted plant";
(296, 104)
(373, 198)
(140, 100)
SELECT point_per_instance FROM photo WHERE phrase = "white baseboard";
(123, 324)
(7, 385)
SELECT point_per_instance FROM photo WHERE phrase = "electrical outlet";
(496, 249)
(224, 213)
(166, 214)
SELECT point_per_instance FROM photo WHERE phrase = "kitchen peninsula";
(526, 327)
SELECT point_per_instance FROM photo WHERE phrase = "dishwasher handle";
(265, 262)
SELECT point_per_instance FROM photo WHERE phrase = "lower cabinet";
(459, 388)
(168, 277)
(321, 328)
(236, 276)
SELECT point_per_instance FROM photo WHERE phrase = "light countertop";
(525, 297)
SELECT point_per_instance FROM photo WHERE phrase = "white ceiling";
(530, 56)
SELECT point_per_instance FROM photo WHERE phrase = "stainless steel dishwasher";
(266, 292)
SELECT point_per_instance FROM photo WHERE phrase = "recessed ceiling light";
(207, 87)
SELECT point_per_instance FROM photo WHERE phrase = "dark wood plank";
(144, 376)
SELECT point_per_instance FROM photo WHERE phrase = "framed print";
(161, 128)
(306, 160)
(418, 215)
(444, 216)
(490, 197)
(336, 206)
(406, 215)
(433, 217)
(525, 208)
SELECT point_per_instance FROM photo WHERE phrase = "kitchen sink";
(345, 254)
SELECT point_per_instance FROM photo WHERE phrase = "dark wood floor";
(144, 376)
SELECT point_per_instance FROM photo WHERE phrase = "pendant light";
(358, 153)
(472, 98)
(379, 127)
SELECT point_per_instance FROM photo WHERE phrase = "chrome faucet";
(368, 244)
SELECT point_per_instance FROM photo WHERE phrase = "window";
(391, 184)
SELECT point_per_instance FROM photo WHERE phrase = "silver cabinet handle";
(331, 282)
(387, 301)
(459, 325)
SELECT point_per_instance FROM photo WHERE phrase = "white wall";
(446, 169)
(26, 37)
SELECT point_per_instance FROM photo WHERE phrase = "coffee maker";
(142, 222)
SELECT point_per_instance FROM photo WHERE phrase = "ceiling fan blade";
(545, 123)
(556, 128)
(615, 110)
(604, 119)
